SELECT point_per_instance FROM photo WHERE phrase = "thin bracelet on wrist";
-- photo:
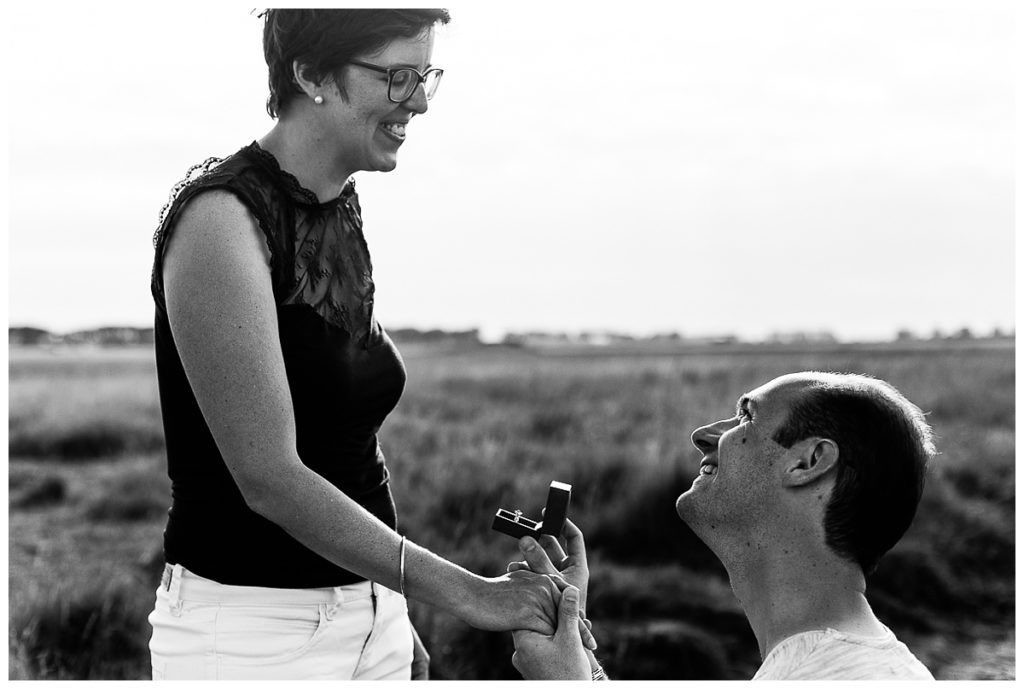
(598, 675)
(401, 568)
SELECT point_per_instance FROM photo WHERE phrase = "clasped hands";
(562, 655)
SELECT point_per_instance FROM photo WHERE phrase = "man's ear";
(813, 458)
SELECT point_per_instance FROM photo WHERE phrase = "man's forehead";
(779, 390)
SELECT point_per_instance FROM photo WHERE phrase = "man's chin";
(685, 507)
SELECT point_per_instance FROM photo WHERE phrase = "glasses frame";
(390, 71)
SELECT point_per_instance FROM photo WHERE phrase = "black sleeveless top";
(344, 373)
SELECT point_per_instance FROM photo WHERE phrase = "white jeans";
(206, 630)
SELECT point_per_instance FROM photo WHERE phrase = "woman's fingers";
(543, 596)
(518, 567)
(546, 591)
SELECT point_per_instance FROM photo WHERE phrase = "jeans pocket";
(181, 644)
(267, 634)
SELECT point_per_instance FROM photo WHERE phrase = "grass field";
(481, 428)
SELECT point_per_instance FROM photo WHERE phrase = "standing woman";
(281, 543)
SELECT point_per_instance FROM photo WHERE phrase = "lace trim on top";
(191, 175)
(299, 193)
(331, 272)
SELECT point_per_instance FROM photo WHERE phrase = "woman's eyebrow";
(408, 65)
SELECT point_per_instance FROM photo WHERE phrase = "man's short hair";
(884, 446)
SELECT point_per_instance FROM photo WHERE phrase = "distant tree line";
(98, 336)
(113, 336)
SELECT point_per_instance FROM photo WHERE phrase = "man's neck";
(791, 591)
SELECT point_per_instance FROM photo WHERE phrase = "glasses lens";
(403, 83)
(430, 83)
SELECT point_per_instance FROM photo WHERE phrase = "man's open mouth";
(708, 467)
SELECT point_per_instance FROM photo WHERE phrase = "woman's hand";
(517, 600)
(420, 658)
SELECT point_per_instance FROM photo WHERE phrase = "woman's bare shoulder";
(215, 225)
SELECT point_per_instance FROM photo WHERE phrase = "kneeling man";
(799, 494)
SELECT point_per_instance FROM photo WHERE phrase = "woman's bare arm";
(223, 316)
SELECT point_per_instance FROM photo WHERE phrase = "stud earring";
(319, 100)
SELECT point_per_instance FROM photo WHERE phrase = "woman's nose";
(417, 102)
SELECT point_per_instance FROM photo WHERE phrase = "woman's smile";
(394, 130)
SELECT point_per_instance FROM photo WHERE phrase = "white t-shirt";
(831, 654)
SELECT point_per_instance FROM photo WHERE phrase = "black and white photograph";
(512, 341)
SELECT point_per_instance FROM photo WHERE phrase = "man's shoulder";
(833, 655)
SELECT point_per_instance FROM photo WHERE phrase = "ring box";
(556, 510)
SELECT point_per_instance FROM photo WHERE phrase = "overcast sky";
(700, 167)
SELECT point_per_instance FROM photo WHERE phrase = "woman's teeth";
(708, 469)
(395, 129)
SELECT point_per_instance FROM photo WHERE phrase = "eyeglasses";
(402, 82)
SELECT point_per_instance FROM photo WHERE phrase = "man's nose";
(706, 438)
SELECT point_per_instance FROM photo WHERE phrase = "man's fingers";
(574, 544)
(560, 583)
(518, 567)
(586, 635)
(535, 556)
(569, 613)
(553, 549)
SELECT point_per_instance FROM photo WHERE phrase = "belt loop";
(174, 590)
(337, 600)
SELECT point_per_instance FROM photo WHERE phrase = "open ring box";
(556, 510)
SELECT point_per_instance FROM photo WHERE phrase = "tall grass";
(83, 404)
(490, 427)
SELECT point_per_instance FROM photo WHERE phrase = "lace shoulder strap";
(191, 175)
(234, 174)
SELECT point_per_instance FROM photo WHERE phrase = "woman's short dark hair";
(884, 446)
(324, 40)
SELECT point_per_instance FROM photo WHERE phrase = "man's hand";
(553, 560)
(557, 657)
(571, 568)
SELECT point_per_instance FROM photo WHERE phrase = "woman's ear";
(813, 459)
(300, 75)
